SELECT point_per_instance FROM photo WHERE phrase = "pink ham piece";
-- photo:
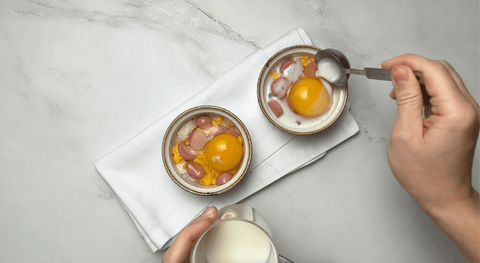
(216, 130)
(310, 70)
(204, 122)
(197, 140)
(223, 178)
(280, 86)
(233, 131)
(186, 151)
(195, 170)
(276, 108)
(285, 65)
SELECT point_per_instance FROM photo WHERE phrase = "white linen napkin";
(158, 207)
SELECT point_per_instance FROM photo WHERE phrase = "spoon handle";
(381, 74)
(384, 74)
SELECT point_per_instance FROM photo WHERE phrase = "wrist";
(460, 222)
(466, 199)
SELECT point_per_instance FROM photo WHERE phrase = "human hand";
(180, 249)
(432, 158)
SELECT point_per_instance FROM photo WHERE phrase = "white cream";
(327, 69)
(237, 241)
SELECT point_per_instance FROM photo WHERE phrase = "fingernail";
(399, 75)
(208, 211)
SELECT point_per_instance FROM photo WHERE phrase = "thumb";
(409, 101)
(180, 249)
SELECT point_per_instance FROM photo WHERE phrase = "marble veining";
(79, 78)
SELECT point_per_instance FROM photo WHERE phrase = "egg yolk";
(223, 152)
(308, 97)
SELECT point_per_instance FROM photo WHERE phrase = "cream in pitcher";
(237, 241)
(240, 235)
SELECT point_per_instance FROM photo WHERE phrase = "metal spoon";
(333, 66)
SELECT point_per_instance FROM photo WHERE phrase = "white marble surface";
(78, 78)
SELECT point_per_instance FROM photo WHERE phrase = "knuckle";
(466, 117)
(445, 63)
(409, 98)
(463, 118)
(416, 57)
(442, 66)
(411, 54)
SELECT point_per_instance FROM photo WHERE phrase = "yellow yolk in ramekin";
(308, 97)
(224, 152)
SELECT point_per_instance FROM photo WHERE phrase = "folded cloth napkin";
(158, 207)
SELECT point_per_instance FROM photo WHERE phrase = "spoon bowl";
(331, 65)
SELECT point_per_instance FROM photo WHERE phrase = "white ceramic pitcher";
(239, 234)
